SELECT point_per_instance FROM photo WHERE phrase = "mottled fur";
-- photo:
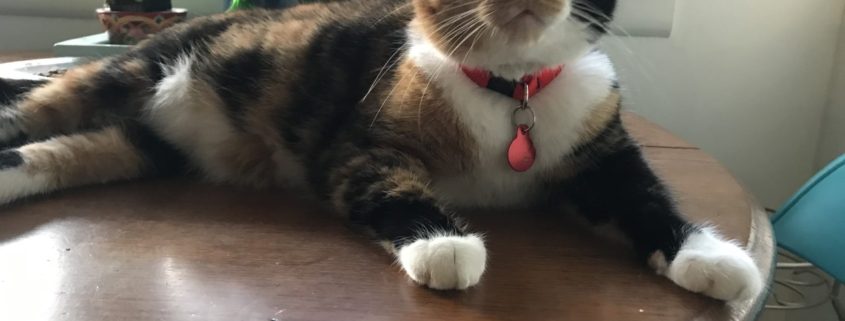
(362, 103)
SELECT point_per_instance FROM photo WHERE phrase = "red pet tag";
(521, 153)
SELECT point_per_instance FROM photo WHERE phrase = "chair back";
(812, 223)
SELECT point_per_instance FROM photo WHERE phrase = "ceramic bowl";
(129, 28)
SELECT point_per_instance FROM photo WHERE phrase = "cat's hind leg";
(11, 127)
(88, 97)
(100, 156)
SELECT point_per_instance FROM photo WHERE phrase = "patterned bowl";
(128, 27)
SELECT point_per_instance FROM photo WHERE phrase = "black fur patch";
(238, 81)
(351, 48)
(163, 159)
(111, 87)
(10, 158)
(403, 221)
(618, 186)
(351, 53)
(12, 89)
(399, 218)
(17, 141)
(327, 101)
(165, 47)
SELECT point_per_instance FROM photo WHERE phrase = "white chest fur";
(561, 108)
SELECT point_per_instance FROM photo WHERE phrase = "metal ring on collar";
(532, 116)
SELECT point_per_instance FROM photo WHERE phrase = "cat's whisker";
(455, 20)
(395, 11)
(478, 36)
(629, 54)
(437, 73)
(448, 22)
(586, 10)
(472, 44)
(579, 13)
(456, 32)
(385, 69)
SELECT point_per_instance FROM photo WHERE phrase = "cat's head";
(513, 37)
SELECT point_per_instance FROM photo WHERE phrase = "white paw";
(719, 269)
(445, 262)
(16, 183)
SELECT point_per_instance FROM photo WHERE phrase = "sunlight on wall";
(747, 81)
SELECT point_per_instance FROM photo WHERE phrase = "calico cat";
(394, 112)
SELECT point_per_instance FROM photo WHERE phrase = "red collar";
(511, 88)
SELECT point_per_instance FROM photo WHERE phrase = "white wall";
(85, 8)
(832, 142)
(24, 33)
(745, 80)
(29, 25)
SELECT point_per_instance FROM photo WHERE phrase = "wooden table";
(22, 55)
(177, 250)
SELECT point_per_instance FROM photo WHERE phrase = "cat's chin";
(447, 262)
(524, 29)
(562, 43)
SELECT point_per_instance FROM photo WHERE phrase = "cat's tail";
(82, 128)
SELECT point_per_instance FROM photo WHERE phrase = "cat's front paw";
(719, 269)
(445, 262)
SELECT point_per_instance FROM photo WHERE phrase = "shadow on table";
(243, 254)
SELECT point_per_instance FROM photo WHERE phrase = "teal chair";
(811, 226)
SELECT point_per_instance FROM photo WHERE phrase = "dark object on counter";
(53, 73)
(267, 4)
(139, 5)
(130, 27)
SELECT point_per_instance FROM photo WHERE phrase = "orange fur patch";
(81, 159)
(57, 107)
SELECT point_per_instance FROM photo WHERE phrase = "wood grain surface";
(179, 250)
(22, 55)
